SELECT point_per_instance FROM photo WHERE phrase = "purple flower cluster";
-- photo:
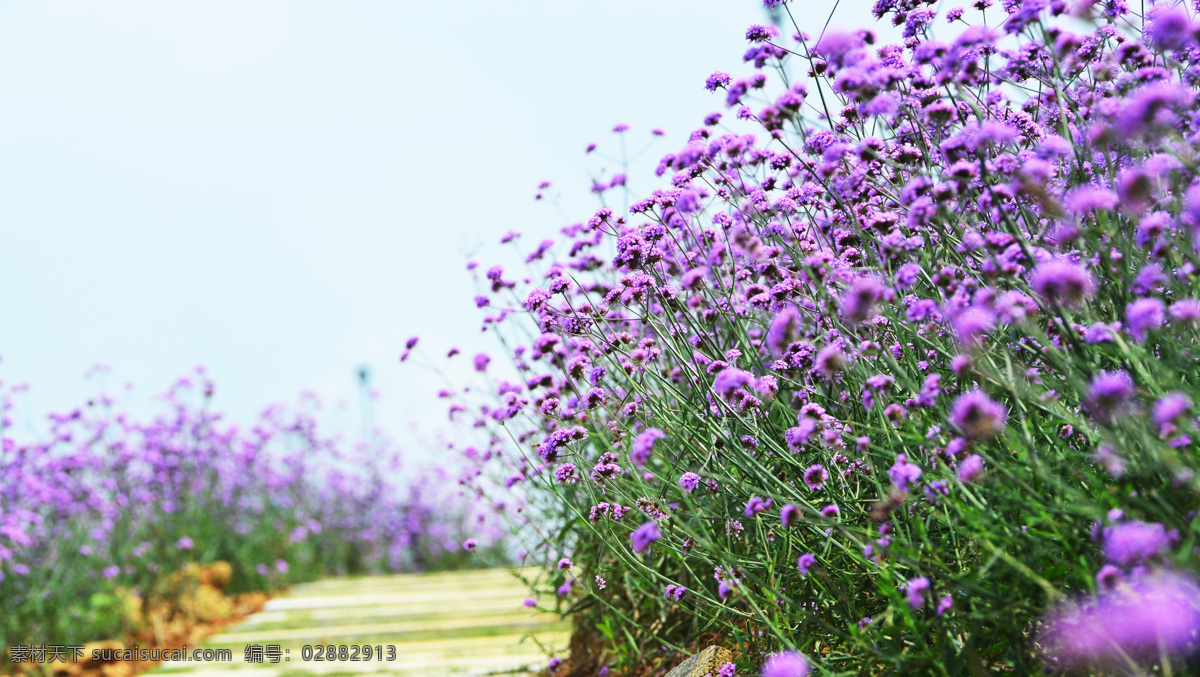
(111, 501)
(933, 282)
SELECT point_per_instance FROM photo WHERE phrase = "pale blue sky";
(283, 191)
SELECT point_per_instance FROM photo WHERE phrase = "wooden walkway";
(455, 623)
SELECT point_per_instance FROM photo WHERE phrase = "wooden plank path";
(453, 623)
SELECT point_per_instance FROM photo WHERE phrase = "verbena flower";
(731, 379)
(1060, 281)
(903, 473)
(1170, 407)
(643, 445)
(689, 481)
(1137, 619)
(716, 80)
(916, 590)
(970, 469)
(1108, 392)
(977, 415)
(756, 505)
(644, 536)
(785, 664)
(805, 562)
(1144, 315)
(1131, 543)
(815, 477)
(789, 515)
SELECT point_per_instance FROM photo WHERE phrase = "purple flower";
(1186, 310)
(797, 436)
(731, 379)
(907, 275)
(481, 362)
(784, 329)
(1060, 281)
(1086, 199)
(1130, 620)
(469, 545)
(1108, 577)
(916, 590)
(1191, 206)
(1143, 106)
(971, 468)
(786, 664)
(1144, 315)
(185, 543)
(530, 602)
(1108, 393)
(1101, 332)
(536, 299)
(1171, 407)
(815, 477)
(903, 473)
(411, 343)
(566, 473)
(944, 604)
(858, 303)
(973, 322)
(977, 415)
(1170, 28)
(717, 79)
(789, 515)
(1131, 543)
(643, 445)
(760, 33)
(805, 562)
(688, 481)
(644, 536)
(756, 505)
(830, 360)
(830, 511)
(724, 590)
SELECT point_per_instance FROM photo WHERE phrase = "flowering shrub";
(106, 507)
(904, 380)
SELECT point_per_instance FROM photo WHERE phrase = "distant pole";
(364, 393)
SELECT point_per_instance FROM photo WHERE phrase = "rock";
(208, 604)
(218, 574)
(704, 663)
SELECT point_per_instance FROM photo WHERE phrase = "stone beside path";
(453, 623)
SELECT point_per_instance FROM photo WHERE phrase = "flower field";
(103, 522)
(892, 370)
